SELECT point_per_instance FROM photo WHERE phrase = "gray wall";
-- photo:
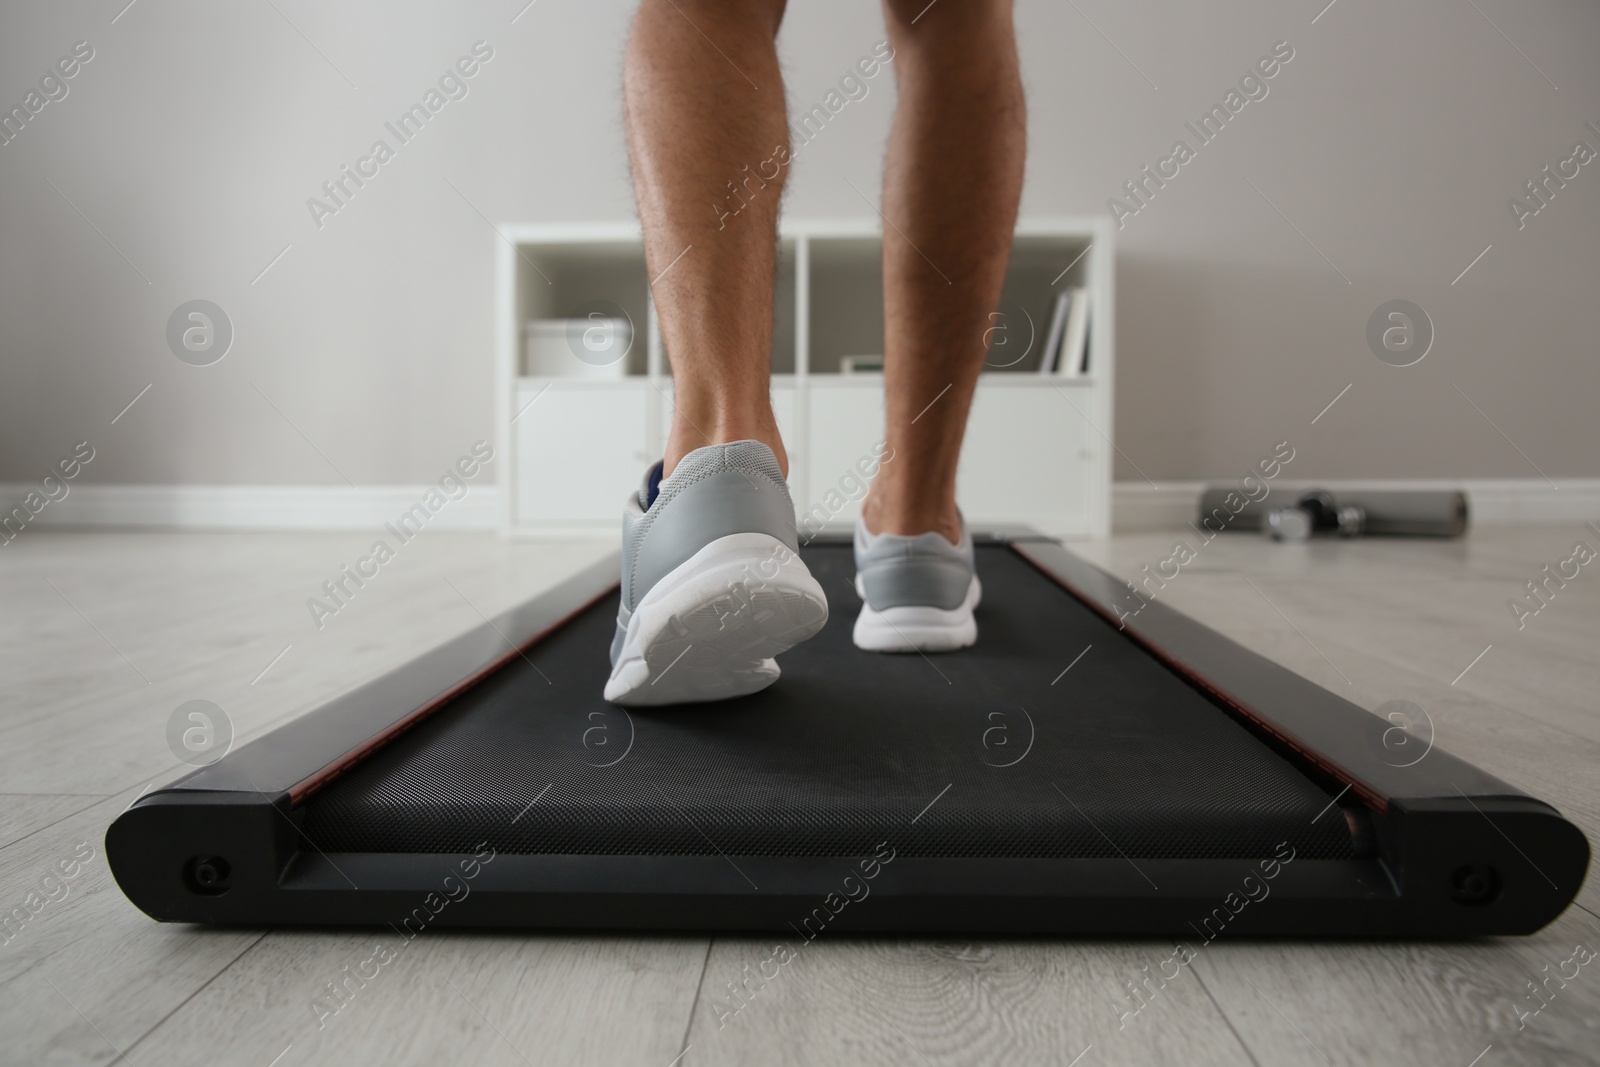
(1391, 141)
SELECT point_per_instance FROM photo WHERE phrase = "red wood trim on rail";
(300, 791)
(1369, 795)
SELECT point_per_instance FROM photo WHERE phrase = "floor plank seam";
(1225, 1018)
(38, 963)
(201, 989)
(705, 965)
(1486, 703)
(56, 822)
(1492, 705)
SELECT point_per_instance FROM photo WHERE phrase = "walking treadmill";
(1097, 764)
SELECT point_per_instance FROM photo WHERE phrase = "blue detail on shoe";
(652, 484)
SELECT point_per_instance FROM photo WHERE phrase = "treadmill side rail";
(1459, 843)
(304, 754)
(1342, 739)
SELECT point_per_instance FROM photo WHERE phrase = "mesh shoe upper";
(713, 492)
(924, 570)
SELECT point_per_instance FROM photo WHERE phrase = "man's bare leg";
(705, 111)
(950, 190)
(713, 588)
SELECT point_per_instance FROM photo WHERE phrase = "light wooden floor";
(105, 634)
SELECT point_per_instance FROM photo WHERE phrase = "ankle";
(891, 513)
(685, 438)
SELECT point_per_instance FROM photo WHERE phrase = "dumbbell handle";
(1392, 512)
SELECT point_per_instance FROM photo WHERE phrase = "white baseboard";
(254, 507)
(1137, 506)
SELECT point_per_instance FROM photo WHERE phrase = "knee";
(748, 15)
(941, 17)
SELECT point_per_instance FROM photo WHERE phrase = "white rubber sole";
(710, 629)
(917, 629)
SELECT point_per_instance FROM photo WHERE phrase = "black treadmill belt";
(987, 753)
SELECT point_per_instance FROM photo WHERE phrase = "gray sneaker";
(712, 583)
(917, 592)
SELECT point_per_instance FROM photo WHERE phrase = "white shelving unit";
(1037, 449)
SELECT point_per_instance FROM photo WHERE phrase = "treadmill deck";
(1000, 750)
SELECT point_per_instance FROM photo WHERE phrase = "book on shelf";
(1074, 355)
(1066, 350)
(1052, 338)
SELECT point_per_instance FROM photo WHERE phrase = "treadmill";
(1097, 764)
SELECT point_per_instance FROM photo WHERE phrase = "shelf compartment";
(575, 280)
